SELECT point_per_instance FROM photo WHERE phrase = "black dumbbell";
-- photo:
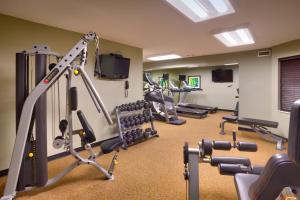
(129, 140)
(153, 132)
(128, 137)
(127, 123)
(141, 104)
(137, 121)
(146, 105)
(134, 135)
(132, 106)
(140, 134)
(124, 136)
(146, 134)
(138, 105)
(126, 107)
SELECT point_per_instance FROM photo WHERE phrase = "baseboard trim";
(4, 172)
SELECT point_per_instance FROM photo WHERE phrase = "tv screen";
(113, 66)
(222, 75)
(182, 77)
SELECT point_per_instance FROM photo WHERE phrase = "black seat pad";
(257, 122)
(89, 133)
(243, 183)
(110, 145)
(230, 118)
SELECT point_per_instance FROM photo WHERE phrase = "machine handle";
(222, 145)
(230, 160)
(247, 146)
(230, 169)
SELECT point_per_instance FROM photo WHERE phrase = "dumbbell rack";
(123, 130)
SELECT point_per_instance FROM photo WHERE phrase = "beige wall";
(221, 95)
(17, 35)
(281, 51)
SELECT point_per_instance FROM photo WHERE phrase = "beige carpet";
(153, 169)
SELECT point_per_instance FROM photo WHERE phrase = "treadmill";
(185, 89)
(185, 111)
(162, 106)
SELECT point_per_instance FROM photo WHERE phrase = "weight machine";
(34, 108)
(203, 154)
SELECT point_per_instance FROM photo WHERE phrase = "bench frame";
(261, 130)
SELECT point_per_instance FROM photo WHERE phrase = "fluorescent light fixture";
(231, 64)
(237, 37)
(201, 10)
(164, 57)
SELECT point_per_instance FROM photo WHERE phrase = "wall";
(17, 35)
(254, 78)
(221, 95)
(281, 51)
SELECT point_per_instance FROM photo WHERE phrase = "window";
(194, 81)
(289, 82)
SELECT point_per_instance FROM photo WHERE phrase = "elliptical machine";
(163, 108)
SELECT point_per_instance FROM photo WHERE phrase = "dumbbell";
(147, 132)
(128, 137)
(142, 118)
(121, 108)
(138, 105)
(134, 135)
(132, 106)
(127, 123)
(139, 132)
(141, 104)
(137, 120)
(126, 107)
(147, 105)
(153, 132)
(131, 120)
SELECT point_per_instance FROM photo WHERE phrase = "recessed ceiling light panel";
(201, 10)
(237, 37)
(164, 57)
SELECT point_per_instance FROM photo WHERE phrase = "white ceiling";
(158, 28)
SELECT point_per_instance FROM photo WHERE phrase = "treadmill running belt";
(196, 106)
(191, 111)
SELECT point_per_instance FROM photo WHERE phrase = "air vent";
(263, 53)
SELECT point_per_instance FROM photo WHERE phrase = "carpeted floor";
(153, 169)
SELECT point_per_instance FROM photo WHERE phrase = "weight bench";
(258, 126)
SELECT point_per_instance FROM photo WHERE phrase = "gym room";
(150, 99)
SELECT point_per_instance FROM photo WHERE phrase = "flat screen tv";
(182, 77)
(113, 66)
(222, 75)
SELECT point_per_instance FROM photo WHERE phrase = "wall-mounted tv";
(113, 66)
(222, 75)
(182, 77)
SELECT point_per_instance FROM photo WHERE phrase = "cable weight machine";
(33, 170)
(31, 107)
